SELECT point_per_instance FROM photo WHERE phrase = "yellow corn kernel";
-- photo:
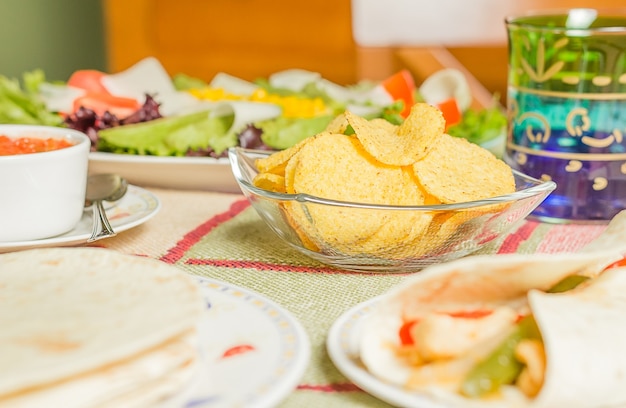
(213, 94)
(292, 106)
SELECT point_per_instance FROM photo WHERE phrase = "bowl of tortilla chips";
(369, 196)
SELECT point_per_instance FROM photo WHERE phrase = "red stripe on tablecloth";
(192, 237)
(266, 266)
(569, 237)
(512, 242)
(227, 263)
(342, 387)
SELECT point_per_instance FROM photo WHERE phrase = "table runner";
(220, 236)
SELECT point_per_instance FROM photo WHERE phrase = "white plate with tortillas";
(91, 327)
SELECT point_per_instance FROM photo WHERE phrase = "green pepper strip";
(501, 367)
(567, 283)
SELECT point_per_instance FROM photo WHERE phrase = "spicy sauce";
(25, 145)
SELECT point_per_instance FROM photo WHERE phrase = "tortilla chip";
(276, 162)
(402, 145)
(457, 170)
(361, 180)
(270, 181)
(300, 224)
(337, 125)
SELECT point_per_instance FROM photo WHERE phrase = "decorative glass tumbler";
(566, 107)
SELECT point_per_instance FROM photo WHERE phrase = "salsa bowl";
(454, 230)
(43, 192)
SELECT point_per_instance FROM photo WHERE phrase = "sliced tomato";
(102, 102)
(451, 112)
(89, 80)
(401, 86)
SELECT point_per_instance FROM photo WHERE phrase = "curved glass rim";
(519, 20)
(234, 154)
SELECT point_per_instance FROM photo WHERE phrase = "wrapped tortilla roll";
(431, 333)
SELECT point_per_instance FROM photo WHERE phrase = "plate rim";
(108, 157)
(348, 324)
(279, 390)
(168, 172)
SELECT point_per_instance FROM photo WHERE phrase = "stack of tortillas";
(87, 327)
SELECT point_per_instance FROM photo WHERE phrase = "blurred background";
(58, 36)
(344, 40)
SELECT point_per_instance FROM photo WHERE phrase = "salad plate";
(154, 157)
(342, 344)
(181, 173)
(135, 208)
(253, 352)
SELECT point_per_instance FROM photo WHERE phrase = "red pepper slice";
(241, 349)
(405, 333)
(451, 112)
(401, 86)
(471, 314)
(617, 264)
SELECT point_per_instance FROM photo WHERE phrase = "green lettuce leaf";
(23, 105)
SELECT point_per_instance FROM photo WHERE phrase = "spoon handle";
(101, 226)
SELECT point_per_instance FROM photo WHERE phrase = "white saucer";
(135, 208)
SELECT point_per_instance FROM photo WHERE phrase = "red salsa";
(25, 145)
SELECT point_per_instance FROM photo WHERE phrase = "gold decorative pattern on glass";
(541, 73)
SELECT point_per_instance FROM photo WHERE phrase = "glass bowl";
(454, 230)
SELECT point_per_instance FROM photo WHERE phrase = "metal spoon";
(103, 187)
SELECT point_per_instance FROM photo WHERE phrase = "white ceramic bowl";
(42, 194)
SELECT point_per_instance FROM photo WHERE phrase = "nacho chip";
(295, 216)
(336, 167)
(270, 181)
(401, 226)
(384, 124)
(338, 125)
(400, 145)
(290, 169)
(448, 232)
(458, 171)
(276, 162)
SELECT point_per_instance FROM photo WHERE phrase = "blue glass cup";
(566, 105)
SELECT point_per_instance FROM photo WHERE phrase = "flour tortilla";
(584, 341)
(614, 236)
(140, 381)
(69, 312)
(571, 323)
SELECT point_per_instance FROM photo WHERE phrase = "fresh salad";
(144, 111)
